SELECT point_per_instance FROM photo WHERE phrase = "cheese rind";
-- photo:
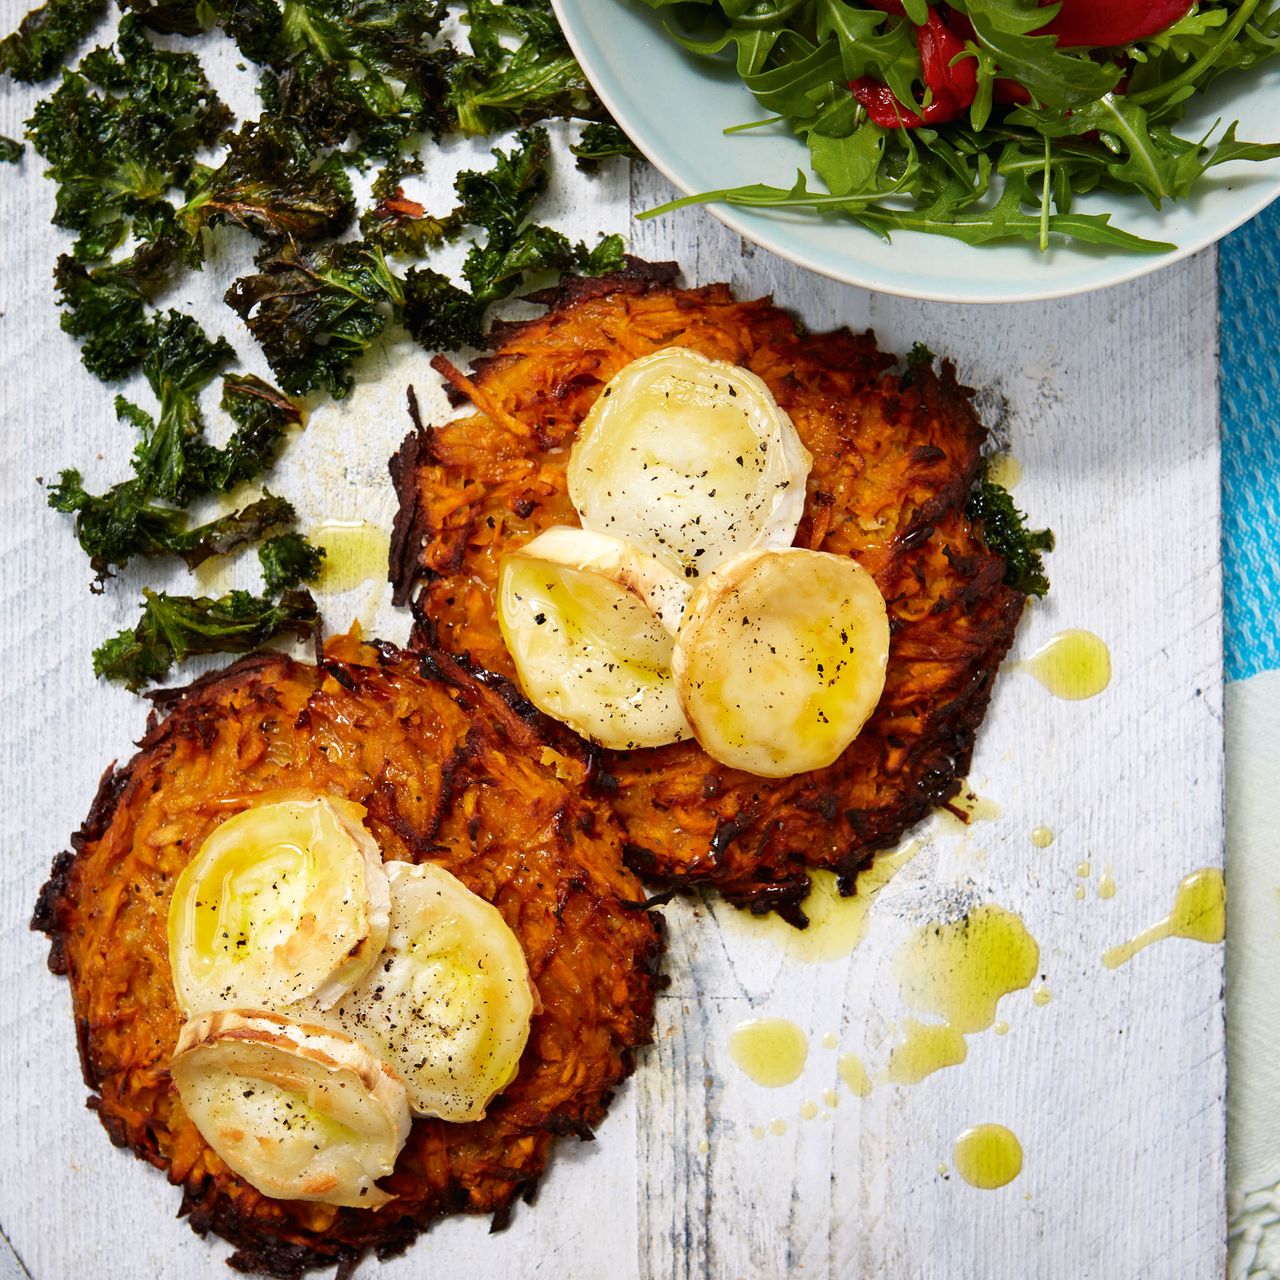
(299, 1111)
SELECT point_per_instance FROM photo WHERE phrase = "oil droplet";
(968, 807)
(757, 1131)
(771, 1051)
(830, 1098)
(837, 924)
(1001, 1028)
(1004, 469)
(1042, 837)
(988, 1156)
(1073, 665)
(704, 1146)
(830, 1040)
(854, 1074)
(355, 553)
(942, 1170)
(1041, 995)
(808, 1109)
(1083, 870)
(1199, 913)
(1106, 885)
(926, 1047)
(1079, 893)
(777, 1126)
(959, 969)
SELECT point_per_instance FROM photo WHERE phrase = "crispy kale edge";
(173, 628)
(1004, 529)
(46, 36)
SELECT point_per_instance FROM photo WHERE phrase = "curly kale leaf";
(600, 141)
(1005, 531)
(172, 628)
(117, 526)
(120, 132)
(289, 560)
(397, 224)
(610, 254)
(315, 311)
(270, 188)
(180, 361)
(443, 317)
(521, 70)
(501, 198)
(438, 314)
(254, 25)
(105, 305)
(174, 462)
(46, 36)
(262, 416)
(105, 308)
(494, 271)
(10, 151)
(368, 69)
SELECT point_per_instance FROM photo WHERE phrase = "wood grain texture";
(1115, 1088)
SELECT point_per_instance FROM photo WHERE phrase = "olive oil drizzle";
(988, 1156)
(769, 1051)
(1199, 913)
(1073, 665)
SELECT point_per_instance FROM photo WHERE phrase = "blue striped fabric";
(1249, 302)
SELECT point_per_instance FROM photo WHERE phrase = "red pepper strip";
(888, 6)
(952, 88)
(1009, 93)
(883, 108)
(938, 46)
(1082, 24)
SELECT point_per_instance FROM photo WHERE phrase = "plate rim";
(1141, 265)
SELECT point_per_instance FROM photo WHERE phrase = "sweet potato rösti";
(895, 458)
(452, 766)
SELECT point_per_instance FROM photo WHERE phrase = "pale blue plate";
(675, 106)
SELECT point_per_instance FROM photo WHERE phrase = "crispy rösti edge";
(895, 458)
(453, 766)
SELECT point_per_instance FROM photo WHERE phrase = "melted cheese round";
(448, 1004)
(284, 902)
(691, 459)
(588, 620)
(781, 660)
(300, 1112)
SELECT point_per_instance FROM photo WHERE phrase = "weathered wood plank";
(1115, 1087)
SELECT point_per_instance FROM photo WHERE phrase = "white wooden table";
(1115, 1087)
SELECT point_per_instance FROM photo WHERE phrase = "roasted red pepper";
(1077, 24)
(951, 88)
(1081, 24)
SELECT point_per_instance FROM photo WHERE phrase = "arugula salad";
(984, 120)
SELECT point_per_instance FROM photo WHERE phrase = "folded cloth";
(1249, 306)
